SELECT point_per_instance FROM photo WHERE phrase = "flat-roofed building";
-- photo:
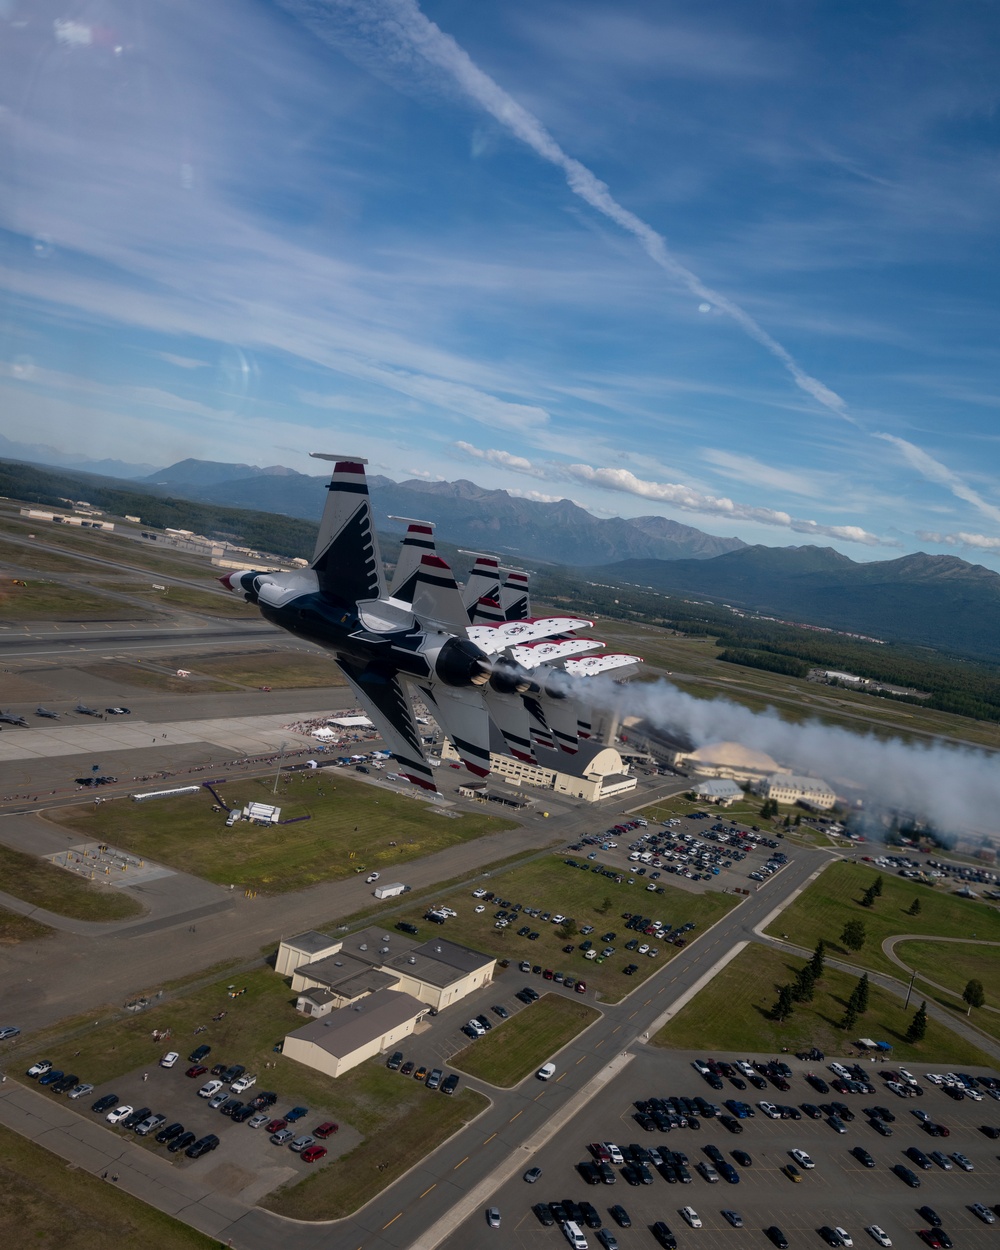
(788, 788)
(343, 1039)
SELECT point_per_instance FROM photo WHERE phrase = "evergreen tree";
(854, 935)
(798, 819)
(868, 898)
(861, 993)
(785, 1005)
(974, 995)
(877, 886)
(804, 989)
(918, 1025)
(914, 908)
(850, 1018)
(816, 963)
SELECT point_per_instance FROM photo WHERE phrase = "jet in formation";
(474, 655)
(9, 718)
(44, 711)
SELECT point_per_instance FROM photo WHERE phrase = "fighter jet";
(473, 657)
(44, 711)
(9, 718)
(86, 711)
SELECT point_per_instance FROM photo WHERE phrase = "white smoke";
(955, 788)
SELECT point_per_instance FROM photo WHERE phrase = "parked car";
(202, 1146)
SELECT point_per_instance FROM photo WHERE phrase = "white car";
(840, 1069)
(617, 1157)
(692, 1216)
(477, 1028)
(935, 1078)
(480, 908)
(546, 1072)
(802, 1159)
(372, 876)
(974, 1094)
(169, 1059)
(40, 1068)
(480, 893)
(243, 1083)
(770, 1110)
(879, 1235)
(908, 1077)
(844, 1235)
(209, 1089)
(119, 1114)
(447, 911)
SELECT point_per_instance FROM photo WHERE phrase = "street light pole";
(281, 760)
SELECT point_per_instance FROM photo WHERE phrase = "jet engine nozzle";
(461, 663)
(510, 678)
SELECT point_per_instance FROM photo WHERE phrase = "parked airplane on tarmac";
(8, 718)
(44, 711)
(474, 655)
(86, 711)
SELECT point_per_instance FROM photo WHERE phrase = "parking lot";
(838, 1191)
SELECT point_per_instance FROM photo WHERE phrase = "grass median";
(47, 1202)
(551, 885)
(834, 898)
(341, 827)
(519, 1046)
(731, 1014)
(36, 881)
(16, 928)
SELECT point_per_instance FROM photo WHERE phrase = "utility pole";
(281, 760)
(909, 988)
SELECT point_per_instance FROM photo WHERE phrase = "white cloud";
(674, 494)
(742, 468)
(537, 495)
(981, 542)
(939, 473)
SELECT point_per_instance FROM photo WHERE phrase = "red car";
(581, 987)
(198, 1069)
(275, 1126)
(326, 1130)
(312, 1153)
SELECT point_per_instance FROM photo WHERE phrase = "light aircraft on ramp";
(474, 655)
(8, 718)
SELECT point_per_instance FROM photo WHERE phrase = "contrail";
(953, 788)
(395, 33)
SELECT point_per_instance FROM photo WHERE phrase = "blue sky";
(730, 263)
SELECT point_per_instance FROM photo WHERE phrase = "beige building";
(339, 1042)
(595, 772)
(809, 791)
(730, 760)
(717, 790)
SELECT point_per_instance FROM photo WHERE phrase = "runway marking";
(454, 1169)
(633, 1015)
(514, 1117)
(647, 1002)
(616, 1028)
(392, 1221)
(428, 1190)
(485, 1143)
(581, 1059)
(601, 1042)
(662, 988)
(560, 1077)
(536, 1098)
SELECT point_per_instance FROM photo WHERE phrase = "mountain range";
(41, 453)
(937, 601)
(463, 513)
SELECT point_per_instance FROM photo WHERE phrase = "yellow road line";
(392, 1221)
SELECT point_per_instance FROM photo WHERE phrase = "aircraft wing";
(510, 716)
(590, 665)
(462, 715)
(387, 700)
(531, 654)
(496, 638)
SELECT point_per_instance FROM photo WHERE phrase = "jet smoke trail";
(954, 788)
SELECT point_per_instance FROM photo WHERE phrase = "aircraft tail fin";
(483, 583)
(485, 612)
(436, 599)
(347, 559)
(419, 541)
(514, 600)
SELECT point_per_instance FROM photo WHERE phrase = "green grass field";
(730, 1015)
(16, 928)
(142, 676)
(204, 601)
(36, 881)
(380, 830)
(48, 1203)
(549, 884)
(515, 1048)
(25, 556)
(57, 601)
(954, 964)
(834, 898)
(399, 1120)
(281, 670)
